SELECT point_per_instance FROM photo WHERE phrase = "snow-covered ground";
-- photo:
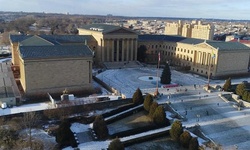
(224, 124)
(219, 120)
(25, 108)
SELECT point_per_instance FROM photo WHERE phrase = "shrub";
(166, 75)
(8, 138)
(152, 109)
(100, 127)
(159, 116)
(147, 102)
(240, 89)
(64, 136)
(137, 97)
(227, 86)
(185, 138)
(193, 144)
(116, 144)
(176, 130)
(245, 95)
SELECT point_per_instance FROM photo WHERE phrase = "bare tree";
(29, 121)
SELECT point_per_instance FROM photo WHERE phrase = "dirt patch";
(137, 120)
(157, 144)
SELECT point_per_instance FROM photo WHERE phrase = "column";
(112, 52)
(127, 56)
(136, 49)
(132, 49)
(102, 52)
(108, 50)
(117, 49)
(123, 45)
(200, 57)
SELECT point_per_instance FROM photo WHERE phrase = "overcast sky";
(219, 9)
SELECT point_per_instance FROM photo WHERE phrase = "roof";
(169, 38)
(104, 28)
(68, 38)
(19, 38)
(215, 44)
(241, 41)
(54, 39)
(227, 45)
(35, 41)
(55, 51)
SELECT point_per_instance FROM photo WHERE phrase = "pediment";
(121, 31)
(35, 41)
(204, 45)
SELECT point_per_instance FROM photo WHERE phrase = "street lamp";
(209, 68)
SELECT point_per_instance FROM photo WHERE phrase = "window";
(152, 46)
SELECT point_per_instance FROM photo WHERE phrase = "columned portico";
(118, 49)
(131, 49)
(127, 50)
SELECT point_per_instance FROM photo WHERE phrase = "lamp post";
(209, 68)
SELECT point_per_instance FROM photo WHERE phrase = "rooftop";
(53, 39)
(216, 44)
(104, 28)
(31, 52)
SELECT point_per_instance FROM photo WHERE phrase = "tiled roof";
(169, 38)
(216, 44)
(55, 39)
(241, 41)
(54, 51)
(67, 38)
(19, 38)
(35, 41)
(104, 28)
(227, 45)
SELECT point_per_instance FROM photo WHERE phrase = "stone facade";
(55, 75)
(201, 58)
(191, 30)
(118, 44)
(41, 74)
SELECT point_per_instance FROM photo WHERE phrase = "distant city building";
(195, 29)
(52, 63)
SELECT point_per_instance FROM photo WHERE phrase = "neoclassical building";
(204, 57)
(52, 63)
(114, 43)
